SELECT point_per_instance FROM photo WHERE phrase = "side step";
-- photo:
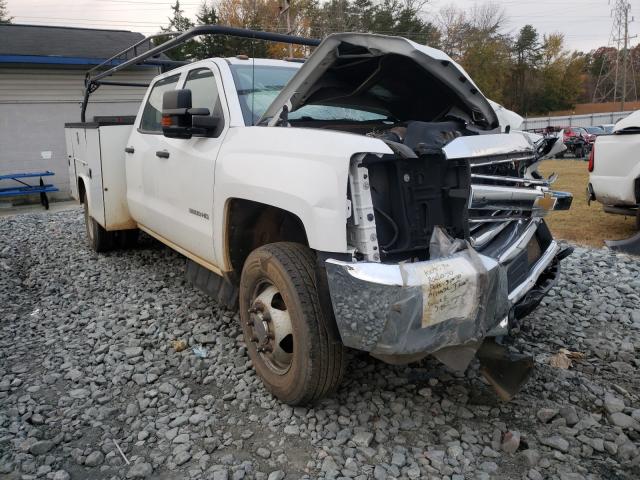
(211, 284)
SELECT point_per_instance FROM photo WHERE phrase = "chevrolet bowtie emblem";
(545, 203)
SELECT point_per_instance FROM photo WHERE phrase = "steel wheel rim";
(270, 328)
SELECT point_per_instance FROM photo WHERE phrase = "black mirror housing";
(176, 119)
(179, 120)
(205, 125)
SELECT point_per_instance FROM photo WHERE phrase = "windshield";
(259, 85)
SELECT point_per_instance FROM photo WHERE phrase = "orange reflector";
(166, 121)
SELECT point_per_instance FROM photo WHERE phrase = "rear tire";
(128, 238)
(295, 347)
(638, 218)
(99, 239)
(579, 152)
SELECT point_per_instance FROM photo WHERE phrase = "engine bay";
(416, 188)
(419, 187)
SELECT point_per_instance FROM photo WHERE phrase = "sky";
(586, 24)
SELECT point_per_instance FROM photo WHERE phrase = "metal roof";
(37, 44)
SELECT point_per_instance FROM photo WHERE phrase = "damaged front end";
(450, 248)
(448, 245)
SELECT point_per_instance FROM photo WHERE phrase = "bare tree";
(4, 12)
(453, 26)
(488, 18)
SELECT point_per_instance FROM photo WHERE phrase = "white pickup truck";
(614, 166)
(366, 198)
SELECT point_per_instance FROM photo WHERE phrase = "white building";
(41, 88)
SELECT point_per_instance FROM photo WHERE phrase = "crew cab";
(614, 169)
(368, 198)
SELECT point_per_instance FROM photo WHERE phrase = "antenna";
(253, 80)
(616, 69)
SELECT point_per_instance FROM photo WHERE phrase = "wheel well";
(252, 224)
(81, 190)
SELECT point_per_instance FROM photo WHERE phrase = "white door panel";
(186, 191)
(172, 194)
(141, 163)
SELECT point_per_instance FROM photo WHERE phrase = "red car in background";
(578, 141)
(571, 132)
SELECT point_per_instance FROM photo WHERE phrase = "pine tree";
(179, 23)
(209, 45)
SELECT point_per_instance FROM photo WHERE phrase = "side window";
(204, 93)
(152, 113)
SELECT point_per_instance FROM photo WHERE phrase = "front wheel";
(294, 346)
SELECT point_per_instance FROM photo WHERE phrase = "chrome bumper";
(422, 307)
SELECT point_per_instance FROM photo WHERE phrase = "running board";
(211, 284)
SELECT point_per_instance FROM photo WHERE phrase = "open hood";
(387, 75)
(506, 117)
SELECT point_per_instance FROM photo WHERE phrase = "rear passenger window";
(204, 93)
(152, 113)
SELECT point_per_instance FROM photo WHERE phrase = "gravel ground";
(91, 387)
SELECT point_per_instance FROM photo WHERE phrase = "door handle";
(162, 154)
(129, 150)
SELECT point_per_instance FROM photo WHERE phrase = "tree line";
(525, 71)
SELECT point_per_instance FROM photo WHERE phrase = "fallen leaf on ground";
(178, 345)
(563, 359)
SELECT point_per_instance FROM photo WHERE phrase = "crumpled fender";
(303, 171)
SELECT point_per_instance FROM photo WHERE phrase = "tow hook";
(504, 370)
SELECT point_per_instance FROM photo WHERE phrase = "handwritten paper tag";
(449, 289)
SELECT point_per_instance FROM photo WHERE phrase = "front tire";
(293, 344)
(99, 239)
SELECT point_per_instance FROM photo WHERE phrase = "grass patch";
(582, 224)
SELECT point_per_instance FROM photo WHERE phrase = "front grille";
(500, 194)
(521, 265)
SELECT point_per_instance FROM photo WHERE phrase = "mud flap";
(504, 370)
(629, 245)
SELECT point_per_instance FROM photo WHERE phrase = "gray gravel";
(87, 371)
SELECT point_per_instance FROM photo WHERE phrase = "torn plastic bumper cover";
(420, 308)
